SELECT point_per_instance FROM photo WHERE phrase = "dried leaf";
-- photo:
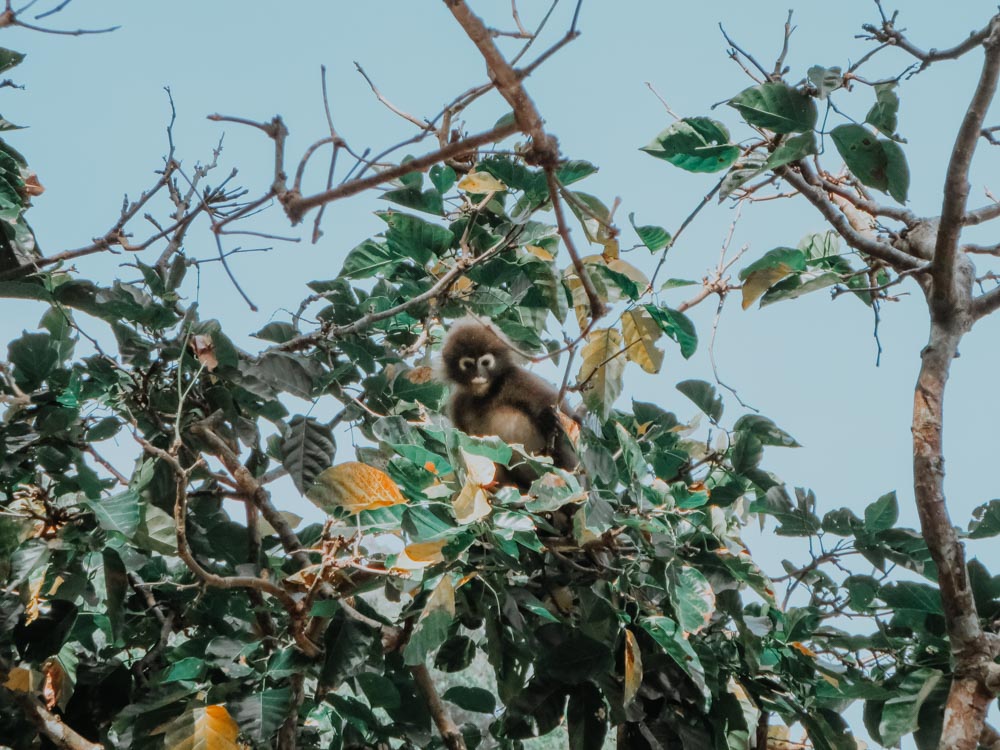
(420, 555)
(633, 668)
(641, 333)
(207, 728)
(21, 680)
(441, 598)
(471, 504)
(480, 471)
(420, 375)
(204, 350)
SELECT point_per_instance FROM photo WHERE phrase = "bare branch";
(297, 206)
(887, 33)
(450, 733)
(597, 307)
(818, 197)
(52, 726)
(956, 187)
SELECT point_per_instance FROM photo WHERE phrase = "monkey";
(493, 395)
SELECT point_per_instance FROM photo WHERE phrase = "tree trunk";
(968, 699)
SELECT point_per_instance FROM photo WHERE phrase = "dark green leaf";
(897, 170)
(777, 107)
(696, 144)
(986, 520)
(653, 237)
(443, 177)
(704, 397)
(428, 201)
(765, 430)
(586, 718)
(912, 595)
(863, 154)
(306, 450)
(380, 691)
(262, 713)
(677, 326)
(9, 58)
(792, 149)
(900, 713)
(34, 357)
(883, 115)
(574, 170)
(474, 699)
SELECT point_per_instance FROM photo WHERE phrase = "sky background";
(97, 113)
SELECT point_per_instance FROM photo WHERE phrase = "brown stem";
(52, 726)
(288, 735)
(450, 733)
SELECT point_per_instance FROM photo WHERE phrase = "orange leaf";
(633, 667)
(203, 348)
(355, 487)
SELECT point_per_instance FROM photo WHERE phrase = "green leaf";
(380, 691)
(191, 668)
(431, 631)
(120, 513)
(777, 107)
(882, 514)
(9, 59)
(412, 237)
(653, 237)
(766, 271)
(919, 597)
(307, 449)
(677, 326)
(586, 718)
(746, 452)
(349, 645)
(156, 531)
(428, 201)
(883, 115)
(261, 713)
(368, 259)
(798, 284)
(765, 430)
(900, 713)
(704, 397)
(792, 149)
(863, 154)
(476, 699)
(443, 177)
(897, 170)
(695, 144)
(574, 170)
(665, 632)
(34, 358)
(826, 80)
(277, 332)
(692, 597)
(985, 520)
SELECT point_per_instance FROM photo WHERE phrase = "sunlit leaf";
(202, 728)
(601, 369)
(695, 144)
(353, 487)
(633, 668)
(480, 182)
(641, 332)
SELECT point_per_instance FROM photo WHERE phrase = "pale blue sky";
(97, 114)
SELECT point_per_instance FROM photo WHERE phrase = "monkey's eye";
(487, 361)
(466, 363)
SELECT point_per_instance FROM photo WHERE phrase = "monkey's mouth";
(480, 385)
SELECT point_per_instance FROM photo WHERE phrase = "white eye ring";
(487, 361)
(466, 362)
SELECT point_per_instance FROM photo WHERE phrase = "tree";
(618, 601)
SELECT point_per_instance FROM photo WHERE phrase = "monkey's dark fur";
(493, 395)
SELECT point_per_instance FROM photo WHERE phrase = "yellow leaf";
(471, 504)
(601, 370)
(539, 252)
(479, 470)
(420, 555)
(21, 680)
(641, 333)
(760, 281)
(480, 182)
(633, 667)
(203, 728)
(355, 487)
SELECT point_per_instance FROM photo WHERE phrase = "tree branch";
(52, 726)
(816, 195)
(956, 188)
(450, 733)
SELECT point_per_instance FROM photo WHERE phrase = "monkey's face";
(477, 373)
